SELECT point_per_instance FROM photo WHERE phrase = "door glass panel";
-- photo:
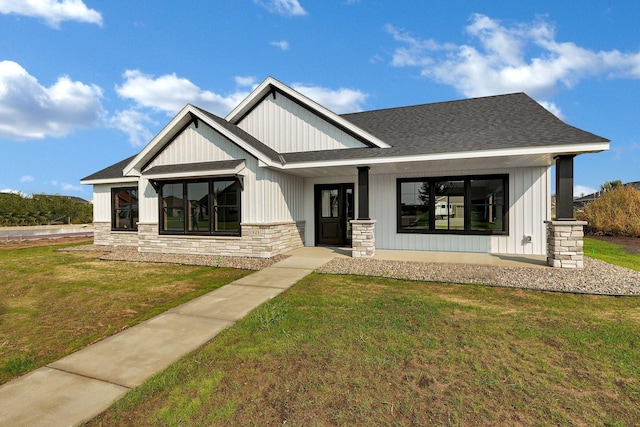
(329, 203)
(348, 202)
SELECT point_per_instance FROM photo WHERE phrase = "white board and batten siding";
(529, 202)
(287, 127)
(102, 201)
(267, 196)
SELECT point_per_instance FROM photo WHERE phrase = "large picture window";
(124, 209)
(209, 206)
(463, 205)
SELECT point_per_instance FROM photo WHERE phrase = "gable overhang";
(470, 160)
(196, 170)
(272, 87)
(188, 115)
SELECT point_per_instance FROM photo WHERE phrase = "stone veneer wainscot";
(257, 241)
(103, 236)
(565, 244)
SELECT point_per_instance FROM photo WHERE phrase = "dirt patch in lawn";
(17, 244)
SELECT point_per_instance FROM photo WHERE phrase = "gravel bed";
(131, 254)
(596, 277)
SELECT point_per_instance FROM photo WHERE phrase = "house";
(281, 171)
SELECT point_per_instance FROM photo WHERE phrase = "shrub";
(617, 211)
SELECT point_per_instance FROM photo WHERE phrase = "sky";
(87, 83)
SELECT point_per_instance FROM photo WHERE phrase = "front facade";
(281, 171)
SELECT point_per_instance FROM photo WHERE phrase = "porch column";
(363, 192)
(363, 242)
(564, 187)
(565, 234)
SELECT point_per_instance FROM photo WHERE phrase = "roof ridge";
(438, 103)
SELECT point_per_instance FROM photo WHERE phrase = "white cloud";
(246, 81)
(510, 58)
(29, 110)
(339, 101)
(132, 122)
(583, 190)
(26, 178)
(52, 11)
(282, 7)
(169, 93)
(282, 44)
(70, 187)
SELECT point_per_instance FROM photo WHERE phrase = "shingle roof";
(111, 172)
(488, 123)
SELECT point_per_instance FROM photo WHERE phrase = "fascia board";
(555, 150)
(126, 180)
(265, 87)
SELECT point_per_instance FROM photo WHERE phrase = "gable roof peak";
(272, 86)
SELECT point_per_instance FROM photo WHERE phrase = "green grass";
(352, 350)
(53, 303)
(611, 253)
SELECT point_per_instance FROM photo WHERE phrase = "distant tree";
(423, 193)
(40, 209)
(610, 185)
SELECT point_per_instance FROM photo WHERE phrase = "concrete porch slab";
(135, 354)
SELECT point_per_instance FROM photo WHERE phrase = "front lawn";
(54, 303)
(612, 253)
(353, 350)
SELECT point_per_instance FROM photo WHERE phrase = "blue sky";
(87, 83)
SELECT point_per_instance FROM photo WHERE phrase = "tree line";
(40, 209)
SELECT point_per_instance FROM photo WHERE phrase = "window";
(463, 205)
(210, 206)
(124, 209)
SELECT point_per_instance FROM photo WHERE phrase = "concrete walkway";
(83, 384)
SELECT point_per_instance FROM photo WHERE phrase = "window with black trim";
(462, 205)
(203, 206)
(124, 209)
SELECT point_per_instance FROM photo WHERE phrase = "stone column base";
(363, 240)
(565, 244)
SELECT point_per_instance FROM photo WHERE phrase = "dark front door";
(334, 211)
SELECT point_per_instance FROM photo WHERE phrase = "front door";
(334, 211)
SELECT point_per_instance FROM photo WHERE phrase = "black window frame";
(130, 207)
(468, 203)
(210, 209)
